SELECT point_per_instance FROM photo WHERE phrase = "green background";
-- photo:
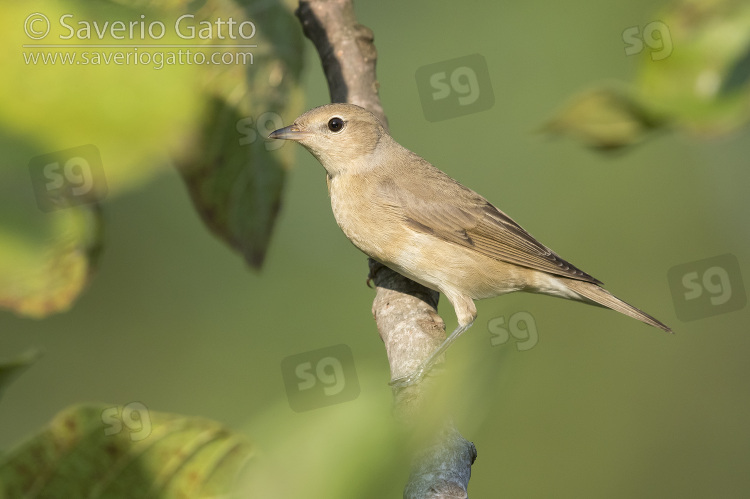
(602, 406)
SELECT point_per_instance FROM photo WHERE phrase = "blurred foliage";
(96, 450)
(212, 119)
(605, 118)
(234, 176)
(138, 116)
(133, 113)
(100, 450)
(693, 75)
(46, 260)
(355, 450)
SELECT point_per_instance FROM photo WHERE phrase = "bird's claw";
(371, 275)
(408, 380)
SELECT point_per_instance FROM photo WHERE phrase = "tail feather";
(606, 299)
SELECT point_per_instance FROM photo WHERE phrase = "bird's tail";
(600, 296)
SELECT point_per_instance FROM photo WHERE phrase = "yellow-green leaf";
(101, 451)
(702, 85)
(693, 75)
(131, 108)
(605, 117)
(46, 257)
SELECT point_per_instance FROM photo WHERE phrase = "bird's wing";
(442, 207)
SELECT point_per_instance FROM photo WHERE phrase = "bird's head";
(343, 137)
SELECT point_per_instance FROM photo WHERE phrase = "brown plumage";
(402, 211)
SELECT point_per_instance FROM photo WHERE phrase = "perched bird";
(405, 213)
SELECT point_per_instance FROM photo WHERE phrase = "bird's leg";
(424, 368)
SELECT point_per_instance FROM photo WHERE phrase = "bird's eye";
(335, 124)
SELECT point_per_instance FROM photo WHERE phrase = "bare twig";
(405, 312)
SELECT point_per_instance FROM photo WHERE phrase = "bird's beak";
(291, 132)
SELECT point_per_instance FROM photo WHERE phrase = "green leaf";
(99, 451)
(235, 177)
(132, 112)
(703, 83)
(46, 258)
(738, 75)
(605, 118)
(693, 75)
(11, 369)
(38, 280)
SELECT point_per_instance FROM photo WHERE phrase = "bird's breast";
(368, 224)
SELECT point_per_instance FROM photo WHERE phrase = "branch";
(346, 52)
(405, 312)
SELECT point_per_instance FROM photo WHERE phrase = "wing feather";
(442, 207)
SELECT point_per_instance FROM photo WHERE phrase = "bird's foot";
(371, 275)
(427, 368)
(410, 379)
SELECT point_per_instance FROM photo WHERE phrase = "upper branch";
(346, 51)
